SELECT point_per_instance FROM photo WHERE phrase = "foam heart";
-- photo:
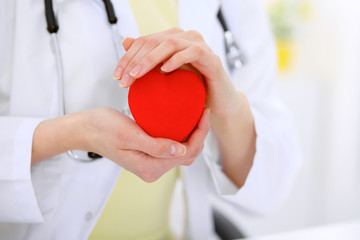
(167, 105)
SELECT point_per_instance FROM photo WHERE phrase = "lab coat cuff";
(270, 178)
(24, 190)
(223, 185)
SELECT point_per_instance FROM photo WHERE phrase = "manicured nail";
(135, 71)
(165, 67)
(117, 73)
(125, 81)
(178, 150)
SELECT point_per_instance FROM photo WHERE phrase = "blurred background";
(319, 80)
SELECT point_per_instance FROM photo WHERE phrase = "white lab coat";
(60, 198)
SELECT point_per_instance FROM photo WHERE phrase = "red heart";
(167, 105)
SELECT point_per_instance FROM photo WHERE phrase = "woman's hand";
(176, 48)
(118, 138)
(231, 118)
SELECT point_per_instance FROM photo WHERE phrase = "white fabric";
(68, 196)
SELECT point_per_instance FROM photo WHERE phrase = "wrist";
(225, 101)
(237, 141)
(74, 134)
(235, 108)
(234, 125)
(58, 135)
(79, 132)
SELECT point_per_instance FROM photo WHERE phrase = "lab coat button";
(88, 216)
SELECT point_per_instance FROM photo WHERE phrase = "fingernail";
(165, 67)
(178, 150)
(117, 73)
(135, 71)
(125, 81)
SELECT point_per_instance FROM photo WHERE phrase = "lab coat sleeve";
(278, 156)
(18, 202)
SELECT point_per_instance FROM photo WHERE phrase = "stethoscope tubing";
(59, 69)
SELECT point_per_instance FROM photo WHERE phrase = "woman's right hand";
(117, 137)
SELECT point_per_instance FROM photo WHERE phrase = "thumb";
(160, 147)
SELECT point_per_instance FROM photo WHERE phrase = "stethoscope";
(234, 56)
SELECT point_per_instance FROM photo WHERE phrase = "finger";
(193, 36)
(202, 128)
(127, 42)
(134, 55)
(195, 143)
(143, 63)
(132, 49)
(173, 44)
(197, 138)
(156, 147)
(194, 53)
(133, 67)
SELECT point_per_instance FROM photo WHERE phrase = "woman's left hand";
(175, 48)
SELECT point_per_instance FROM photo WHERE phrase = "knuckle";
(159, 149)
(195, 34)
(131, 64)
(178, 58)
(149, 59)
(197, 50)
(124, 60)
(176, 30)
(140, 41)
(171, 43)
(152, 43)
